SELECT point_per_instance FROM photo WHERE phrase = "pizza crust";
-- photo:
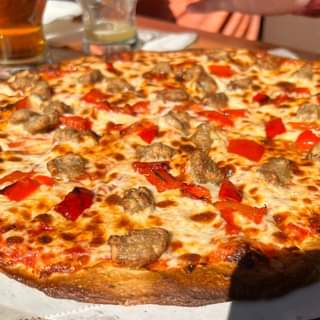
(105, 284)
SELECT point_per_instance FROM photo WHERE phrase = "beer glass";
(109, 25)
(21, 35)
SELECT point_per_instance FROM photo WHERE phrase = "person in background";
(238, 18)
(236, 24)
(270, 7)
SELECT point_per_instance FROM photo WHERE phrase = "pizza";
(183, 178)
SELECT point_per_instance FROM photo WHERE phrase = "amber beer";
(21, 34)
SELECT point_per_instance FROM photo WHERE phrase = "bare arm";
(269, 7)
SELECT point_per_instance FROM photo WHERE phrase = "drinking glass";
(21, 35)
(109, 25)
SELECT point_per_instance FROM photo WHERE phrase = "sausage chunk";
(91, 77)
(217, 100)
(269, 62)
(207, 84)
(24, 81)
(66, 134)
(219, 55)
(115, 86)
(137, 200)
(277, 171)
(241, 84)
(309, 112)
(72, 135)
(41, 123)
(305, 72)
(42, 90)
(187, 73)
(204, 169)
(162, 68)
(202, 138)
(21, 116)
(56, 106)
(314, 154)
(139, 247)
(70, 166)
(155, 152)
(174, 95)
(179, 121)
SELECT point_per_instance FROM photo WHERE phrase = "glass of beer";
(109, 25)
(21, 36)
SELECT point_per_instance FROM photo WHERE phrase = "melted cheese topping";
(35, 235)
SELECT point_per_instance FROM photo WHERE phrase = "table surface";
(205, 39)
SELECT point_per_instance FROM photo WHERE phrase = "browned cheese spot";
(190, 261)
(280, 236)
(187, 148)
(253, 191)
(25, 214)
(155, 221)
(42, 206)
(68, 236)
(166, 204)
(113, 200)
(124, 223)
(9, 227)
(14, 159)
(205, 217)
(176, 245)
(100, 166)
(44, 218)
(118, 157)
(312, 188)
(45, 239)
(97, 241)
(307, 201)
(14, 240)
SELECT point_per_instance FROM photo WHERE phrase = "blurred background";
(296, 32)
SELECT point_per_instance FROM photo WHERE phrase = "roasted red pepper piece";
(221, 71)
(304, 125)
(228, 191)
(246, 148)
(23, 104)
(196, 192)
(21, 189)
(112, 69)
(146, 167)
(274, 128)
(111, 126)
(76, 122)
(95, 96)
(75, 203)
(281, 99)
(300, 91)
(157, 174)
(137, 127)
(252, 213)
(261, 98)
(295, 232)
(140, 107)
(218, 117)
(149, 133)
(228, 216)
(15, 176)
(235, 113)
(44, 180)
(307, 140)
(50, 74)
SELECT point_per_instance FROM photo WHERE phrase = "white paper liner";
(302, 304)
